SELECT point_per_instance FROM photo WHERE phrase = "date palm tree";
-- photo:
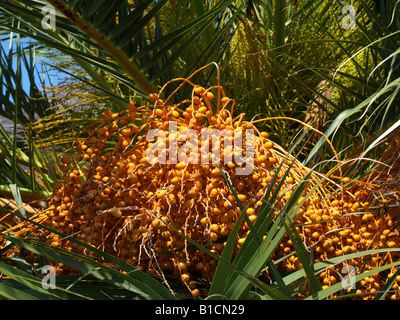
(63, 61)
